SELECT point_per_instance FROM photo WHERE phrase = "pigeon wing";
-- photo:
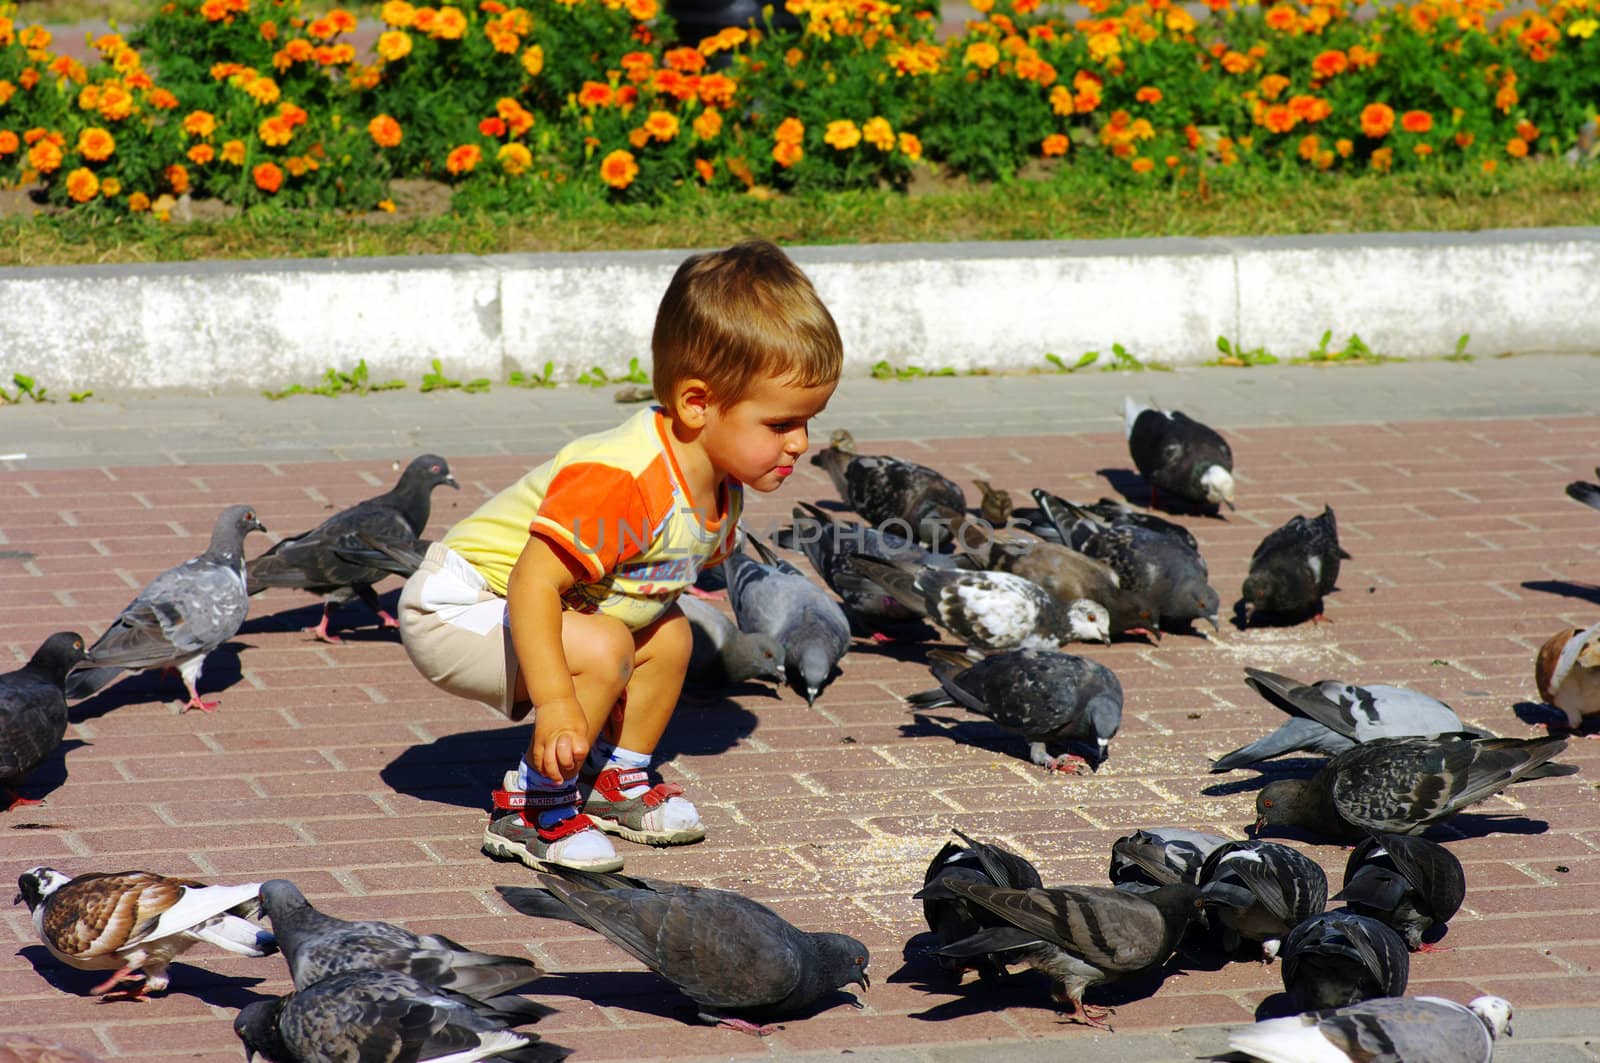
(187, 610)
(33, 720)
(1112, 930)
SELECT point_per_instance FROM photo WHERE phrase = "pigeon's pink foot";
(1069, 764)
(195, 702)
(388, 621)
(710, 596)
(1153, 636)
(18, 801)
(125, 974)
(1322, 618)
(881, 637)
(1428, 946)
(321, 633)
(1093, 1016)
(754, 1029)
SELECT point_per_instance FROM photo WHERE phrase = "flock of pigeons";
(1014, 585)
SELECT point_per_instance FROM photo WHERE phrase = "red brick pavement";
(338, 767)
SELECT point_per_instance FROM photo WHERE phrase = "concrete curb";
(214, 325)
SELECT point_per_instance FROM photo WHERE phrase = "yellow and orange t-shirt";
(616, 503)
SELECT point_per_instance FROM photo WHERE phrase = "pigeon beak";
(17, 899)
(1249, 611)
(1231, 507)
(1256, 827)
(811, 695)
(1216, 625)
(451, 480)
(865, 980)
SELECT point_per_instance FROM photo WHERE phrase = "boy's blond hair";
(730, 317)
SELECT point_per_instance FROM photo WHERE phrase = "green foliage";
(27, 388)
(79, 396)
(1460, 354)
(1235, 355)
(435, 380)
(337, 382)
(1355, 349)
(543, 379)
(1086, 359)
(596, 377)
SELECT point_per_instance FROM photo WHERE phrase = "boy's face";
(759, 439)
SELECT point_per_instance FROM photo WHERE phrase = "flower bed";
(250, 102)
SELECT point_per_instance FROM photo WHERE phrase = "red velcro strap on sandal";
(660, 792)
(563, 828)
(515, 799)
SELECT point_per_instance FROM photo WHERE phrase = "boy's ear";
(691, 398)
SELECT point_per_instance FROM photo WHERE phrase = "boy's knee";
(605, 645)
(674, 639)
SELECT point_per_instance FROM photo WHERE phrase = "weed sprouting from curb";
(435, 380)
(335, 382)
(596, 377)
(27, 388)
(544, 379)
(1235, 355)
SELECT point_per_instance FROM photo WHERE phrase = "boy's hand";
(560, 738)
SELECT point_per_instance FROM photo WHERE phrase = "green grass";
(1069, 207)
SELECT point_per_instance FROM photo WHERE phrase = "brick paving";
(339, 768)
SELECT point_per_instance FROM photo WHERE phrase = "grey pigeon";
(951, 917)
(894, 495)
(1293, 568)
(317, 945)
(1411, 884)
(989, 611)
(1080, 935)
(1043, 696)
(1261, 891)
(1069, 576)
(722, 654)
(397, 557)
(1072, 523)
(1404, 785)
(184, 614)
(33, 711)
(773, 597)
(1587, 493)
(1332, 716)
(740, 961)
(311, 561)
(1179, 455)
(1383, 1030)
(1160, 856)
(382, 1016)
(1163, 577)
(1339, 958)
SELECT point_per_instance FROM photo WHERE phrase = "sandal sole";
(658, 838)
(505, 849)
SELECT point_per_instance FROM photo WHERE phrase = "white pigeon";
(1568, 673)
(135, 923)
(1382, 1030)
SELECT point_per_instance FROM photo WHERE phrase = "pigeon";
(318, 945)
(739, 961)
(184, 614)
(1179, 455)
(1069, 576)
(724, 655)
(1262, 890)
(995, 505)
(311, 561)
(1147, 859)
(396, 557)
(33, 711)
(1079, 935)
(989, 611)
(1382, 1030)
(1338, 958)
(1587, 493)
(1165, 578)
(831, 545)
(1043, 696)
(774, 598)
(952, 918)
(361, 1015)
(1055, 521)
(19, 1048)
(136, 923)
(1293, 568)
(1404, 785)
(1410, 884)
(893, 495)
(1567, 672)
(1331, 717)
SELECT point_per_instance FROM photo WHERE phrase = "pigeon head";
(57, 654)
(1285, 802)
(1548, 661)
(755, 656)
(1088, 621)
(1494, 1013)
(1217, 483)
(1207, 602)
(233, 524)
(1104, 712)
(843, 960)
(37, 883)
(428, 471)
(279, 897)
(257, 1026)
(813, 664)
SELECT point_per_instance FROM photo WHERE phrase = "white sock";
(673, 814)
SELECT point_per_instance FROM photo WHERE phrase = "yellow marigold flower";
(394, 45)
(233, 152)
(138, 203)
(619, 169)
(1104, 47)
(463, 159)
(451, 25)
(385, 131)
(707, 124)
(842, 134)
(641, 10)
(116, 102)
(267, 176)
(661, 125)
(201, 154)
(275, 132)
(1583, 27)
(789, 131)
(981, 54)
(1236, 62)
(1377, 119)
(533, 60)
(786, 153)
(263, 90)
(111, 188)
(45, 156)
(1416, 121)
(82, 185)
(515, 159)
(1272, 86)
(877, 132)
(397, 13)
(983, 7)
(1054, 144)
(386, 205)
(96, 145)
(910, 146)
(1179, 21)
(505, 42)
(1061, 100)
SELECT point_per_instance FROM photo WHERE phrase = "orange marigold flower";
(321, 29)
(981, 54)
(201, 154)
(786, 154)
(162, 100)
(451, 24)
(504, 41)
(707, 124)
(789, 131)
(1278, 118)
(842, 134)
(138, 203)
(639, 137)
(1328, 64)
(662, 125)
(96, 145)
(1527, 131)
(116, 102)
(515, 159)
(1236, 62)
(627, 96)
(297, 165)
(45, 156)
(1310, 108)
(1464, 139)
(111, 188)
(1179, 21)
(1516, 147)
(1142, 164)
(385, 131)
(1310, 145)
(82, 185)
(8, 142)
(1272, 86)
(275, 132)
(28, 78)
(1377, 119)
(636, 66)
(910, 146)
(685, 60)
(716, 90)
(1146, 94)
(492, 127)
(518, 118)
(8, 90)
(233, 152)
(425, 20)
(1344, 147)
(877, 132)
(1054, 144)
(1422, 149)
(618, 169)
(704, 168)
(1382, 160)
(595, 94)
(214, 10)
(267, 176)
(1282, 18)
(642, 10)
(1361, 57)
(533, 60)
(1416, 121)
(397, 13)
(177, 178)
(343, 21)
(263, 90)
(269, 31)
(394, 45)
(463, 159)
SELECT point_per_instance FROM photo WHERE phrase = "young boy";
(558, 595)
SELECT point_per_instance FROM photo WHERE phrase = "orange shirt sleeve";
(594, 514)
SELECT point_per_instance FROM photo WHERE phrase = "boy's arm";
(533, 604)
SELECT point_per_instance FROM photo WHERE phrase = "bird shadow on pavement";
(1275, 1006)
(52, 774)
(1587, 592)
(1284, 768)
(222, 670)
(351, 622)
(647, 993)
(1016, 989)
(975, 733)
(1482, 824)
(205, 986)
(1135, 490)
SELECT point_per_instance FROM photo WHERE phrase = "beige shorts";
(457, 633)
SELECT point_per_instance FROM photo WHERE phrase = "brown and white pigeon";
(894, 495)
(1587, 493)
(135, 923)
(1567, 672)
(1339, 958)
(1382, 1030)
(1070, 576)
(1404, 785)
(33, 711)
(1079, 935)
(952, 918)
(1179, 455)
(1293, 568)
(1409, 884)
(184, 614)
(312, 561)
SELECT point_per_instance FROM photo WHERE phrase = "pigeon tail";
(1587, 493)
(238, 936)
(1130, 413)
(83, 682)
